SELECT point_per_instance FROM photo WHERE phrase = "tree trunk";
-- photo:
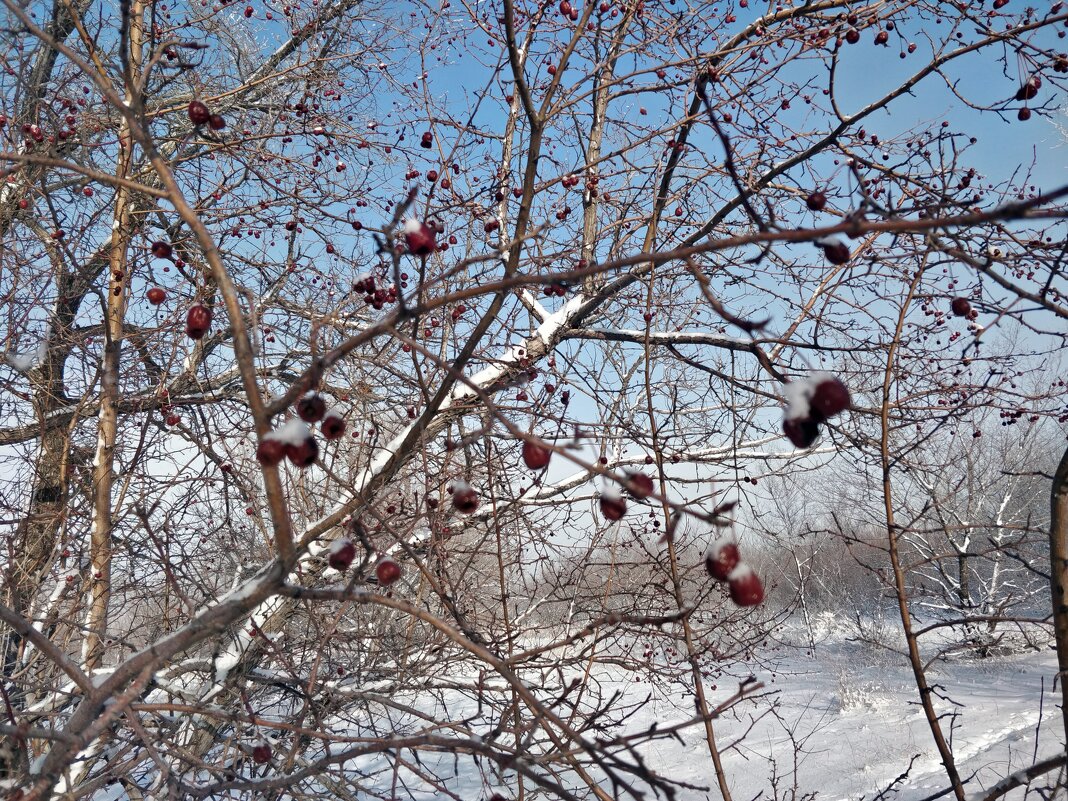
(1058, 575)
(107, 425)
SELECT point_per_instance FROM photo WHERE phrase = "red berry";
(303, 454)
(197, 321)
(464, 498)
(816, 201)
(613, 507)
(535, 456)
(835, 251)
(802, 432)
(852, 36)
(333, 426)
(419, 238)
(720, 559)
(198, 112)
(311, 407)
(960, 307)
(1024, 114)
(261, 753)
(745, 586)
(156, 296)
(161, 249)
(830, 397)
(216, 122)
(342, 552)
(173, 419)
(641, 486)
(387, 571)
(882, 37)
(270, 451)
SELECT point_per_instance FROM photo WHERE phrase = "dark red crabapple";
(745, 586)
(311, 407)
(300, 446)
(1024, 114)
(641, 486)
(303, 454)
(156, 295)
(261, 754)
(197, 321)
(341, 554)
(960, 307)
(333, 425)
(816, 201)
(830, 397)
(198, 112)
(419, 238)
(161, 249)
(535, 456)
(802, 432)
(270, 451)
(836, 251)
(464, 497)
(613, 507)
(216, 122)
(387, 571)
(720, 559)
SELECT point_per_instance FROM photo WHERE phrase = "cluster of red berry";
(343, 552)
(724, 563)
(294, 439)
(200, 114)
(374, 297)
(810, 403)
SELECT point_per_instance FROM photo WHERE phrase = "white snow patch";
(830, 241)
(293, 432)
(337, 545)
(716, 546)
(798, 394)
(22, 364)
(740, 572)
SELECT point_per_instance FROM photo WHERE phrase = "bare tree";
(377, 375)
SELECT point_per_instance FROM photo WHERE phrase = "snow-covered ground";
(841, 722)
(855, 725)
